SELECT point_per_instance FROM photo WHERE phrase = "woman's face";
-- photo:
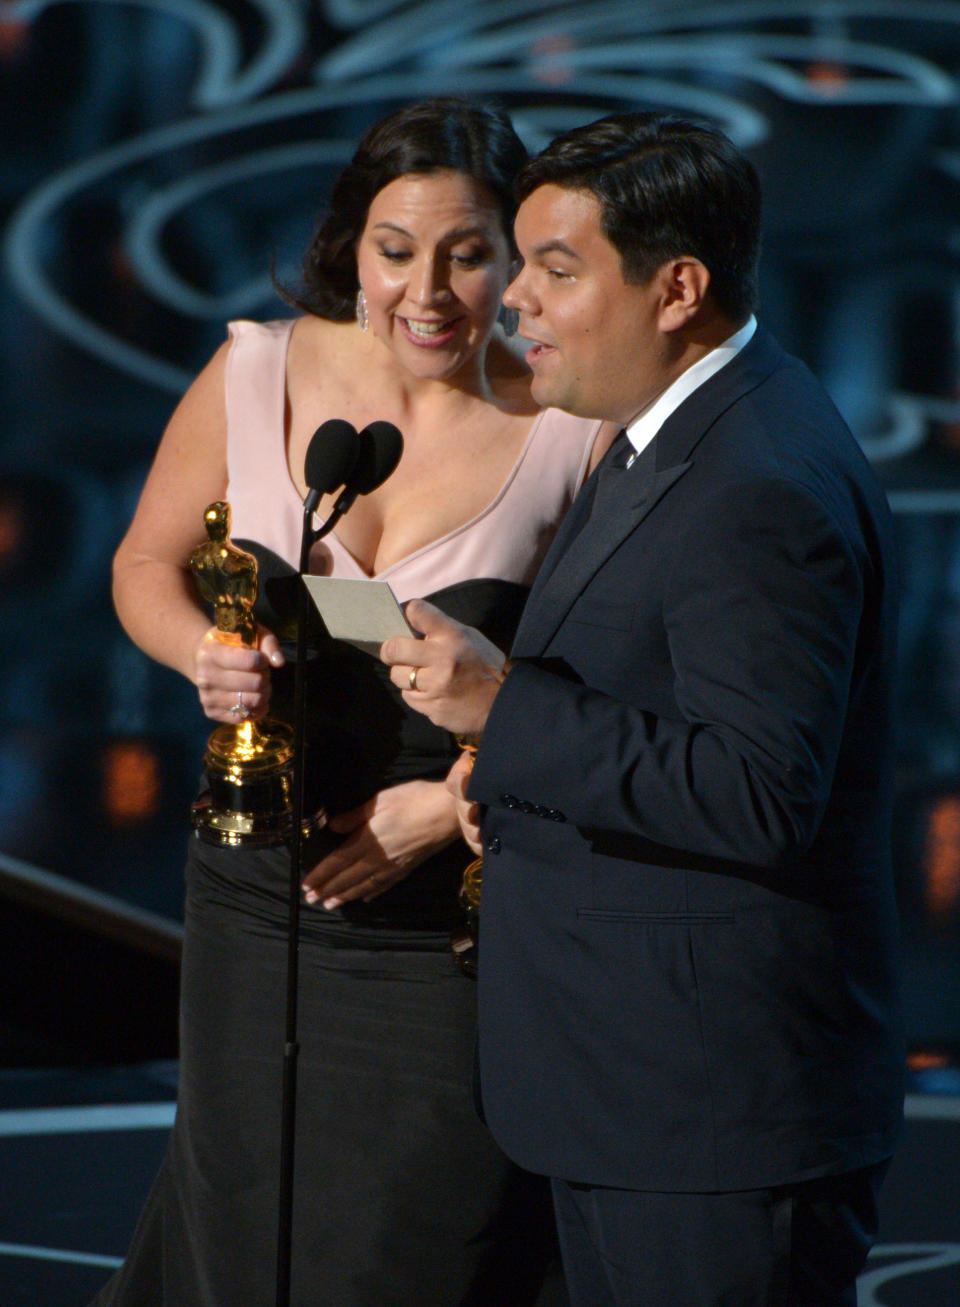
(433, 261)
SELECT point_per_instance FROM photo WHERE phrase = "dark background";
(156, 158)
(155, 163)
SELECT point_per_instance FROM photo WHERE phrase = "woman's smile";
(430, 333)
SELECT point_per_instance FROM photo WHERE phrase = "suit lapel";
(620, 502)
(577, 515)
(688, 424)
(615, 501)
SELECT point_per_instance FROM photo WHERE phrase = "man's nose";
(517, 295)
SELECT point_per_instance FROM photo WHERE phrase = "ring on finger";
(240, 709)
(413, 677)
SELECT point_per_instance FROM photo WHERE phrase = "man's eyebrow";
(556, 247)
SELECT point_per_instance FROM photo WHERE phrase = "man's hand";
(468, 814)
(452, 675)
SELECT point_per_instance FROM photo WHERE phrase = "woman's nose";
(429, 284)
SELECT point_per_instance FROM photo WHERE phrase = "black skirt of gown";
(401, 1196)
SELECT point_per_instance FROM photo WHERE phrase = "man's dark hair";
(445, 133)
(666, 187)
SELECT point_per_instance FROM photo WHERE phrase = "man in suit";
(687, 981)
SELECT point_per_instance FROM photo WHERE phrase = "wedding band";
(240, 709)
(413, 677)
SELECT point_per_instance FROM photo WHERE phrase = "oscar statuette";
(249, 766)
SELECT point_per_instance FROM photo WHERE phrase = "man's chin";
(549, 395)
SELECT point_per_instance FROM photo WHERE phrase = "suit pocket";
(654, 918)
(611, 614)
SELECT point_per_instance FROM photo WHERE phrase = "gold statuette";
(248, 766)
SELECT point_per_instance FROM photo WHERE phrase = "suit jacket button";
(493, 845)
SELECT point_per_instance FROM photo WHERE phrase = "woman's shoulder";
(301, 335)
(320, 344)
(272, 329)
(558, 422)
(555, 429)
(565, 440)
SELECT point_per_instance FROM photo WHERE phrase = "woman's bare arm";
(153, 589)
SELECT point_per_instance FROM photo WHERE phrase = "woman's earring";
(511, 320)
(363, 322)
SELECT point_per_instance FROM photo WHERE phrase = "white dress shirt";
(646, 424)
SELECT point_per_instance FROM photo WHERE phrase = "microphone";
(379, 448)
(331, 457)
(388, 446)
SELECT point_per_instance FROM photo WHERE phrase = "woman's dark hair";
(445, 133)
(666, 187)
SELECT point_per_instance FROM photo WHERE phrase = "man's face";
(597, 349)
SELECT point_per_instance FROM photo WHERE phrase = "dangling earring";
(363, 322)
(511, 320)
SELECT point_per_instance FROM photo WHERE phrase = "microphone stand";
(291, 1048)
(362, 463)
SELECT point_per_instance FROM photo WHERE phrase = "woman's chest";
(440, 485)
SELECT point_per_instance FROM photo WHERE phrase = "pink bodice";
(506, 540)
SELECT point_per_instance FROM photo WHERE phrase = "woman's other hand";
(386, 837)
(224, 672)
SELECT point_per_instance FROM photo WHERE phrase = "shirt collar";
(645, 425)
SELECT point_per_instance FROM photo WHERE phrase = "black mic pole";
(372, 459)
(291, 1048)
(332, 452)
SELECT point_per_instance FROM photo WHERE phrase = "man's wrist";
(470, 740)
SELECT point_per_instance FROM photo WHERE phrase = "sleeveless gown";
(401, 1197)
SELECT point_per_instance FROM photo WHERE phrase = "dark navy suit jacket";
(687, 976)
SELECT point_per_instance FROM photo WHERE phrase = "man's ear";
(685, 282)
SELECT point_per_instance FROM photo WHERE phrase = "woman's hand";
(225, 671)
(386, 837)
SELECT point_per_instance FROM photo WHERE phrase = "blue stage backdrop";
(158, 159)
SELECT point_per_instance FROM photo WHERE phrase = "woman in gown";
(401, 1198)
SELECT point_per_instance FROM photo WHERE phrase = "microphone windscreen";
(381, 445)
(331, 455)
